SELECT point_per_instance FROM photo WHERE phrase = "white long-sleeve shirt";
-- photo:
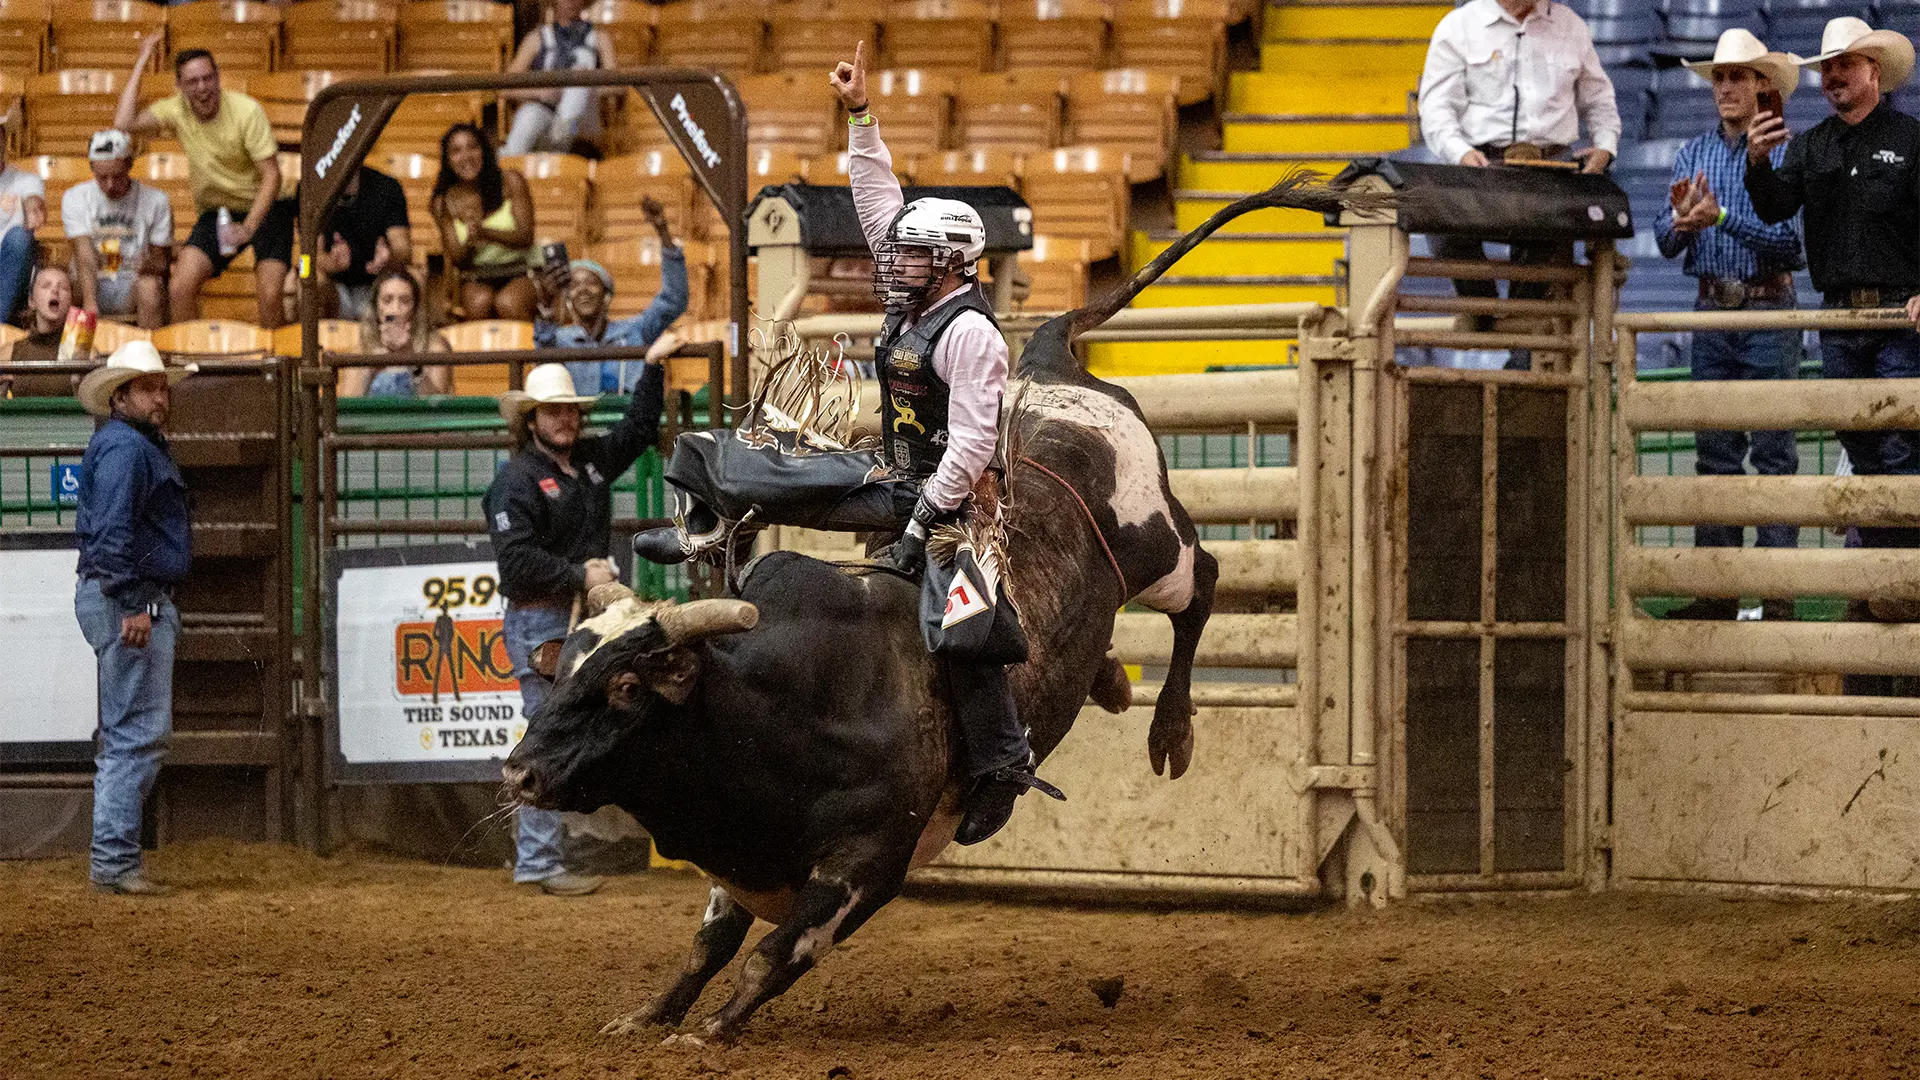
(1480, 56)
(971, 357)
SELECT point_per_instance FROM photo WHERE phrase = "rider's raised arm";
(876, 191)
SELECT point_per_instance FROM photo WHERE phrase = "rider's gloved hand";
(909, 553)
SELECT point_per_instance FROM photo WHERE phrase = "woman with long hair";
(396, 322)
(485, 216)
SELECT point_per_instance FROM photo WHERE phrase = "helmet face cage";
(905, 273)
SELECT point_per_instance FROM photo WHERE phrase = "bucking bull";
(794, 742)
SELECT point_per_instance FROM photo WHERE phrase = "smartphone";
(553, 255)
(1771, 102)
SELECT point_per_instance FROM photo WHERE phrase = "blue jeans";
(538, 852)
(1745, 354)
(136, 719)
(1877, 354)
(16, 266)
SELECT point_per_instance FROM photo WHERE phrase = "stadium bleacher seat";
(726, 35)
(621, 182)
(979, 165)
(1182, 38)
(816, 40)
(1019, 110)
(109, 335)
(1127, 108)
(213, 337)
(340, 35)
(918, 106)
(103, 34)
(23, 36)
(65, 108)
(953, 36)
(628, 24)
(418, 124)
(562, 187)
(1060, 34)
(486, 335)
(336, 335)
(1079, 193)
(455, 35)
(795, 111)
(415, 172)
(1056, 269)
(242, 35)
(285, 96)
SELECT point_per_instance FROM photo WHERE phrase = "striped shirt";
(1744, 248)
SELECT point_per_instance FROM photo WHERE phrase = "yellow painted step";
(1245, 176)
(1176, 295)
(1320, 137)
(1227, 256)
(1316, 23)
(1189, 213)
(1290, 92)
(1397, 60)
(1108, 358)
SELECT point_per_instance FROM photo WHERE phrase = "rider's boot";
(995, 745)
(666, 545)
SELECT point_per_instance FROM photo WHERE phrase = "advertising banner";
(52, 704)
(423, 688)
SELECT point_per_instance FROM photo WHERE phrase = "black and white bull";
(795, 742)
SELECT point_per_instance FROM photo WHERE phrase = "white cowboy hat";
(548, 384)
(1847, 34)
(1739, 48)
(128, 362)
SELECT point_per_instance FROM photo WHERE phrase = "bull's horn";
(692, 621)
(605, 595)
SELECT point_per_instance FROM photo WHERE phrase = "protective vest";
(913, 399)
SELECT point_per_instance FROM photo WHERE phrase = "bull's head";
(622, 668)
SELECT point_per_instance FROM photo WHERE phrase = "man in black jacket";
(1856, 176)
(550, 512)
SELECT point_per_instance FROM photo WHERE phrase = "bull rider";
(550, 515)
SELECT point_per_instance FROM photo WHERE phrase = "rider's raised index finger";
(860, 55)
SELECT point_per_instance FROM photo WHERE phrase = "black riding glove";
(909, 553)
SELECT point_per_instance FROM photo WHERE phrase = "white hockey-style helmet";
(926, 240)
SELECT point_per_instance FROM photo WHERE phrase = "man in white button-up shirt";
(1519, 78)
(1506, 72)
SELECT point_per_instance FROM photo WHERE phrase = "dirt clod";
(1108, 990)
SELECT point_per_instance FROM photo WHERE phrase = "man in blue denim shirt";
(134, 547)
(588, 289)
(1741, 262)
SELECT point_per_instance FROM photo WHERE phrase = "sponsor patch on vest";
(904, 360)
(593, 474)
(964, 601)
(502, 522)
(550, 486)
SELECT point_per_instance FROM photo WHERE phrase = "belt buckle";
(1521, 151)
(1730, 294)
(1866, 298)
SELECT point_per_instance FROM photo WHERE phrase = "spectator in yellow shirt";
(231, 167)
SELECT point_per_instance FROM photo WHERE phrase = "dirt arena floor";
(272, 963)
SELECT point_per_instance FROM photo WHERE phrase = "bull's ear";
(546, 658)
(673, 673)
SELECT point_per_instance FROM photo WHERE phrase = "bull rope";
(1097, 534)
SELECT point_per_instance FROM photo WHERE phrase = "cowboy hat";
(1739, 48)
(1847, 34)
(128, 362)
(548, 384)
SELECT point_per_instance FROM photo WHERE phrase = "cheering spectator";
(552, 119)
(396, 322)
(23, 209)
(45, 320)
(367, 233)
(485, 216)
(588, 289)
(234, 175)
(122, 233)
(1742, 263)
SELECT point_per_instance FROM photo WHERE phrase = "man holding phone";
(1855, 178)
(1742, 263)
(584, 288)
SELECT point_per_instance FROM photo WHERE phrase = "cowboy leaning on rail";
(550, 515)
(943, 367)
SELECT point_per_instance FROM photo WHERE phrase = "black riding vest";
(913, 399)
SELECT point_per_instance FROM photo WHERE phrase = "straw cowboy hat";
(1847, 34)
(128, 362)
(1739, 48)
(548, 384)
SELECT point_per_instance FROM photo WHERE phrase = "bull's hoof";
(638, 1021)
(1170, 745)
(722, 1030)
(694, 1042)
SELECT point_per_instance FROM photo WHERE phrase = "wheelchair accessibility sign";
(65, 482)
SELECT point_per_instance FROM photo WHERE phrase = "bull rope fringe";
(812, 393)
